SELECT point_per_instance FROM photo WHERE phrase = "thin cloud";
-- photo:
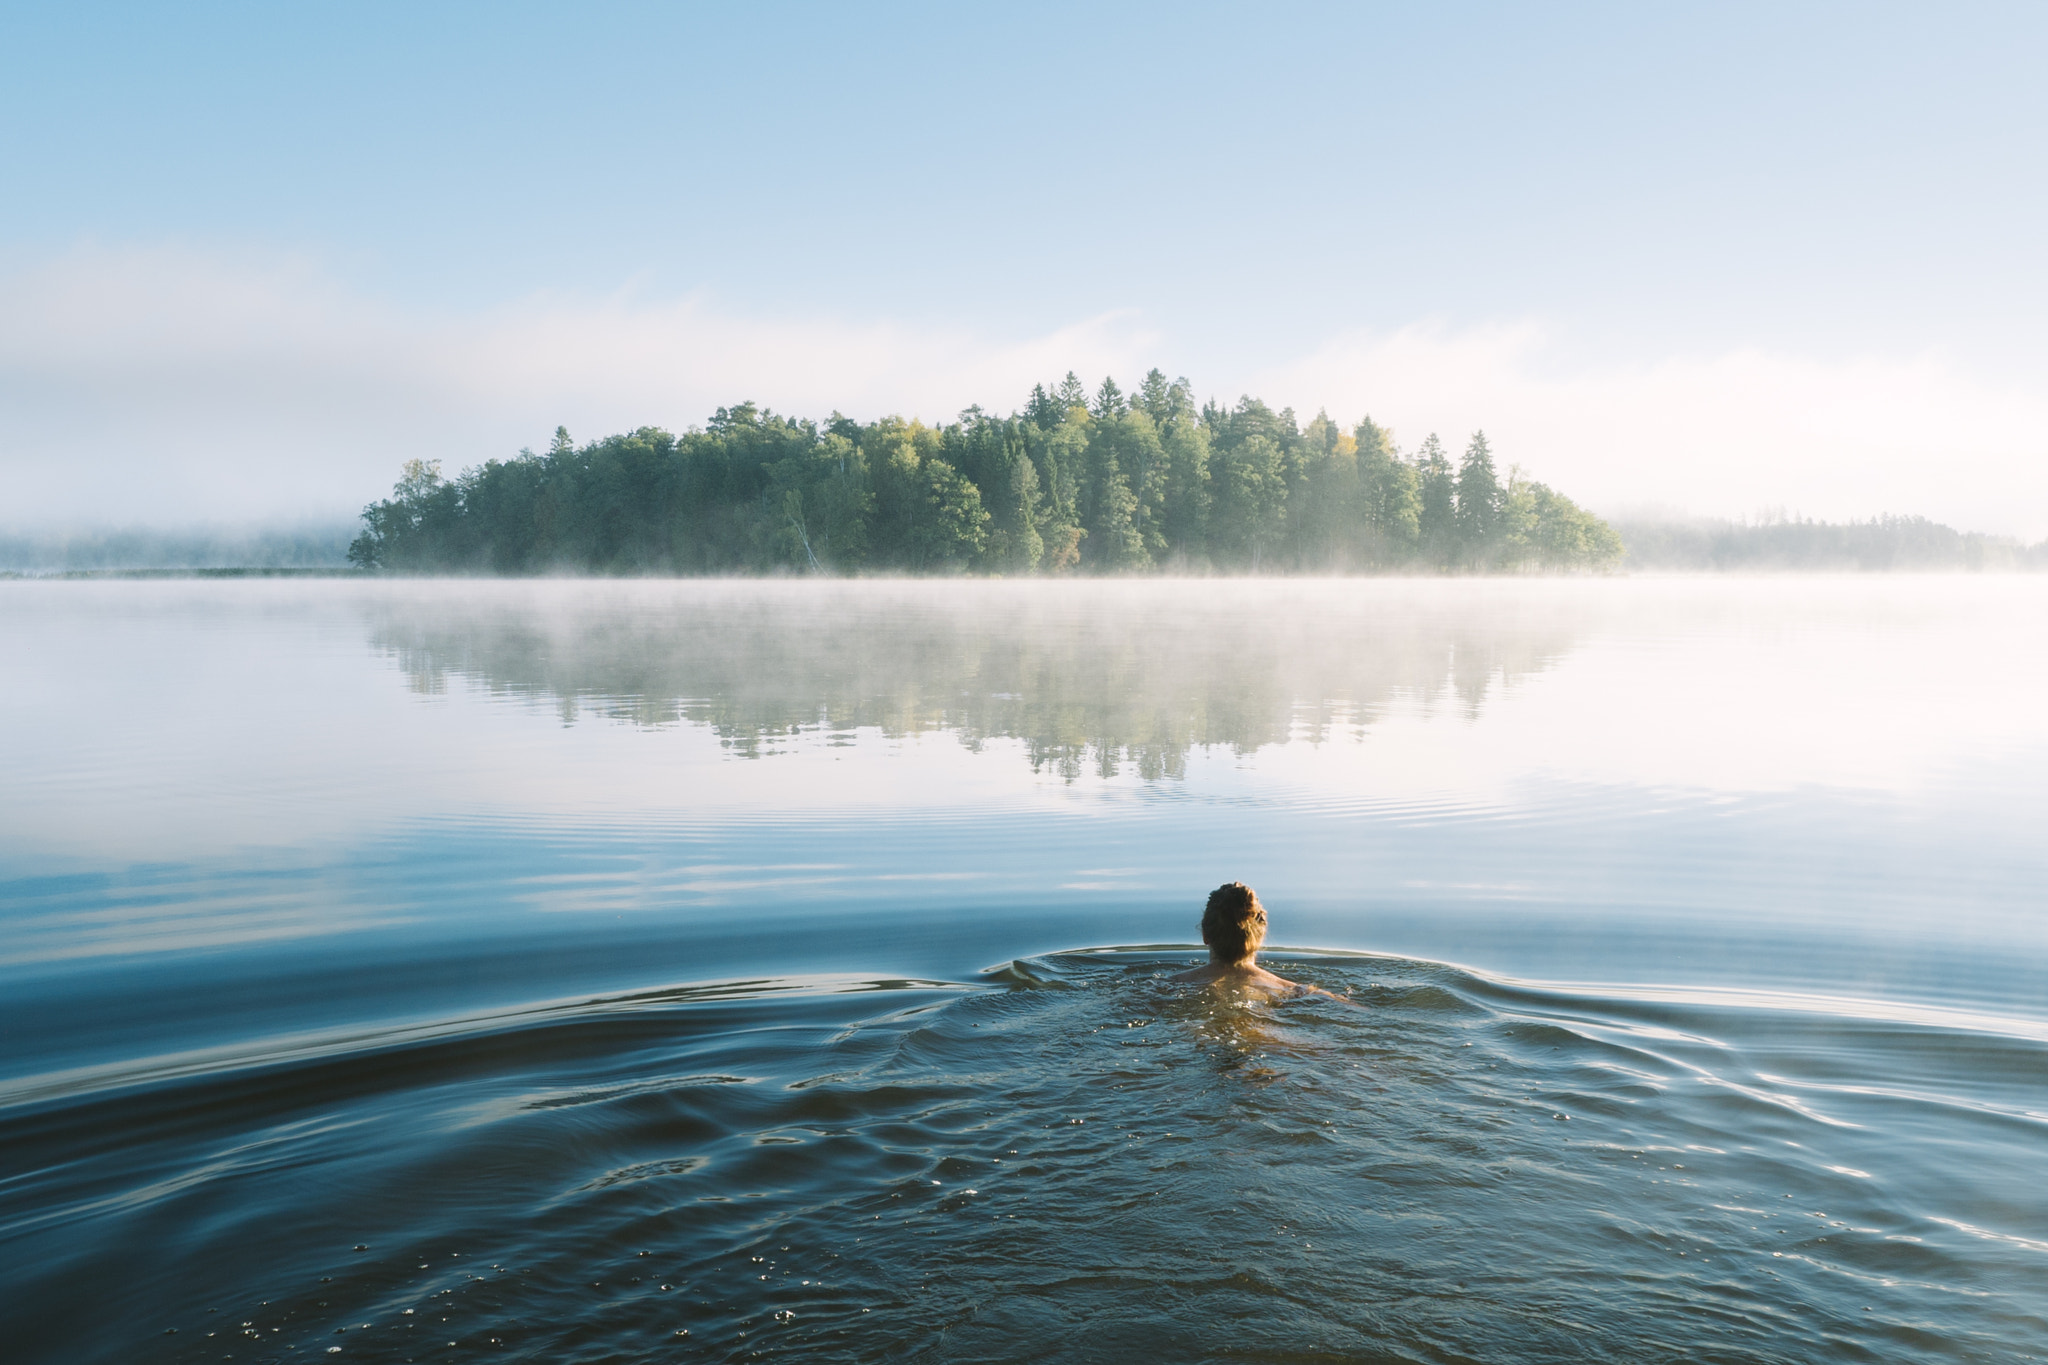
(1729, 435)
(167, 385)
(164, 385)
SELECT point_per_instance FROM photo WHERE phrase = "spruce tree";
(1479, 503)
(1155, 396)
(1437, 519)
(1043, 409)
(1109, 401)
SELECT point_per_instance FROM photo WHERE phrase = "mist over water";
(779, 968)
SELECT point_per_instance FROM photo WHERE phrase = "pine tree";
(1156, 397)
(1042, 409)
(1437, 517)
(1109, 401)
(1479, 503)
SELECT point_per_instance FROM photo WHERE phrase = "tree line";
(1113, 483)
(97, 549)
(1796, 544)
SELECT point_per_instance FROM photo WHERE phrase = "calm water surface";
(605, 972)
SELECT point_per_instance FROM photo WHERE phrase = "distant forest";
(103, 549)
(1112, 483)
(1790, 544)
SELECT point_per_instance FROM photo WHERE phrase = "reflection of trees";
(1088, 675)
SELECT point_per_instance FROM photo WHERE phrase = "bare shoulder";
(1301, 989)
(1273, 982)
(1253, 980)
(1238, 978)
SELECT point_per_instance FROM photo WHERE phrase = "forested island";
(1112, 483)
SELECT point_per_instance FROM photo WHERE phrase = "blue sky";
(1722, 258)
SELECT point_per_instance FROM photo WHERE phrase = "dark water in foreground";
(571, 972)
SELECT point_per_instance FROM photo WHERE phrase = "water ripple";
(1070, 1159)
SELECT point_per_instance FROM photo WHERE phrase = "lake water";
(623, 971)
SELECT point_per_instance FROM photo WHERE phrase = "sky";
(1721, 260)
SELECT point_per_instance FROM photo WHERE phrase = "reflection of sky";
(233, 808)
(157, 722)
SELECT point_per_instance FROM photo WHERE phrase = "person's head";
(1234, 924)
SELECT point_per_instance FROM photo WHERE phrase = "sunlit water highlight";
(597, 972)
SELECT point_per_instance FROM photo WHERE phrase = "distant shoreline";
(569, 575)
(185, 572)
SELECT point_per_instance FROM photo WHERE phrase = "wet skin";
(1246, 977)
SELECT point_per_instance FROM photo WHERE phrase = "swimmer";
(1234, 927)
